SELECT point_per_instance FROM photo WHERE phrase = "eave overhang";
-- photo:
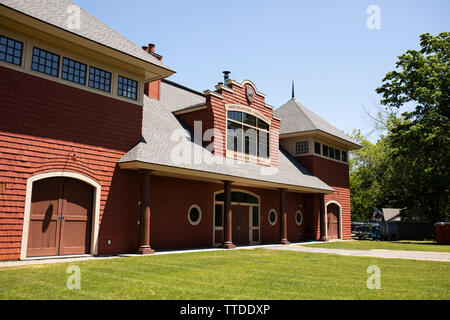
(191, 174)
(319, 133)
(21, 22)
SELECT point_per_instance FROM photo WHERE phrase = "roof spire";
(293, 93)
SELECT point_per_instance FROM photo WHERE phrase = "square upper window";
(317, 148)
(301, 147)
(45, 62)
(344, 156)
(73, 71)
(127, 88)
(11, 50)
(331, 153)
(337, 154)
(99, 79)
(325, 151)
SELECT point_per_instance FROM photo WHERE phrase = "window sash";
(245, 138)
(301, 147)
(317, 148)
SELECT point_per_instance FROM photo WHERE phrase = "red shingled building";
(101, 154)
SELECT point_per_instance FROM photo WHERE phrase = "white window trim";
(324, 157)
(308, 146)
(27, 57)
(276, 217)
(250, 205)
(200, 214)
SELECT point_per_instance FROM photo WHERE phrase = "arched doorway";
(245, 217)
(59, 217)
(333, 221)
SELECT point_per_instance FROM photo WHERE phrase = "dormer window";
(247, 134)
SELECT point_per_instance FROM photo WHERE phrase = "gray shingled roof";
(55, 12)
(297, 118)
(159, 123)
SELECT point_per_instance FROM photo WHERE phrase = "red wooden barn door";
(76, 217)
(60, 217)
(333, 221)
(44, 226)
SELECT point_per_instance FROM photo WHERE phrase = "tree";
(420, 145)
(372, 170)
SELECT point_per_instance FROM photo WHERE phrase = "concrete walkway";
(77, 258)
(375, 253)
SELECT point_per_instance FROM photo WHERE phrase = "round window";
(298, 217)
(272, 217)
(194, 214)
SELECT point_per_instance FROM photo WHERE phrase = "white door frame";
(250, 218)
(61, 174)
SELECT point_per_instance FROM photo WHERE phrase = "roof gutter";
(193, 174)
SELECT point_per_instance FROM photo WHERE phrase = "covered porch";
(183, 208)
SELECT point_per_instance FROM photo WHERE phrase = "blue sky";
(325, 46)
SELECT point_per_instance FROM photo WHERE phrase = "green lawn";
(386, 245)
(234, 274)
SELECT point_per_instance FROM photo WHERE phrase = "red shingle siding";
(336, 175)
(217, 107)
(204, 116)
(42, 125)
(171, 229)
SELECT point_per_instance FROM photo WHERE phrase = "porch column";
(144, 242)
(283, 222)
(228, 219)
(323, 225)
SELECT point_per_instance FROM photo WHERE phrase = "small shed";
(394, 228)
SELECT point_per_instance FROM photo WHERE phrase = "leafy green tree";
(418, 173)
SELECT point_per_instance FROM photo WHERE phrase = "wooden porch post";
(283, 222)
(228, 219)
(144, 243)
(323, 224)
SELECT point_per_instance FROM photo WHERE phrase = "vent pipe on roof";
(226, 76)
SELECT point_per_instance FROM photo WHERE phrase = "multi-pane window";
(127, 88)
(247, 134)
(337, 154)
(45, 62)
(344, 156)
(325, 150)
(73, 71)
(330, 152)
(301, 147)
(317, 147)
(11, 50)
(99, 79)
